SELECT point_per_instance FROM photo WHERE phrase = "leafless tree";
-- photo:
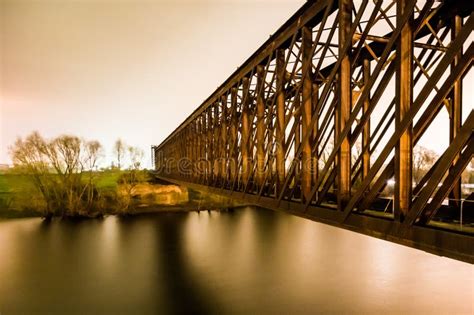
(30, 155)
(132, 176)
(423, 159)
(56, 167)
(92, 154)
(119, 151)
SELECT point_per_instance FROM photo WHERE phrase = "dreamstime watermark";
(185, 166)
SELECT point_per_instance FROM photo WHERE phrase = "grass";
(108, 180)
(11, 182)
(4, 186)
(15, 183)
(19, 197)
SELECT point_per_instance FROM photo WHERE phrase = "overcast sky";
(104, 69)
(134, 69)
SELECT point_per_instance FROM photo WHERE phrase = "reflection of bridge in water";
(330, 108)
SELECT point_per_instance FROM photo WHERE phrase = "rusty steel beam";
(314, 140)
(224, 139)
(404, 124)
(280, 121)
(343, 163)
(260, 125)
(455, 115)
(465, 136)
(287, 141)
(462, 160)
(366, 133)
(404, 99)
(307, 112)
(245, 140)
(234, 126)
(217, 144)
(210, 147)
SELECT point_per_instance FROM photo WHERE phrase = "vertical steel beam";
(297, 118)
(245, 140)
(209, 145)
(280, 121)
(200, 148)
(194, 149)
(194, 158)
(307, 110)
(260, 125)
(404, 96)
(224, 143)
(315, 153)
(233, 135)
(455, 116)
(344, 104)
(204, 145)
(217, 143)
(186, 148)
(366, 132)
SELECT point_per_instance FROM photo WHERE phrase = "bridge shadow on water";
(183, 292)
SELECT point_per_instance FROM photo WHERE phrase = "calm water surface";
(249, 261)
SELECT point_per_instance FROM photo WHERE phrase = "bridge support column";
(245, 135)
(315, 153)
(366, 131)
(307, 110)
(280, 119)
(186, 150)
(203, 147)
(233, 136)
(224, 144)
(197, 165)
(209, 145)
(217, 144)
(404, 99)
(194, 137)
(297, 122)
(344, 105)
(188, 143)
(260, 125)
(455, 116)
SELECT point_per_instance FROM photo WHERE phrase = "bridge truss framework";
(330, 108)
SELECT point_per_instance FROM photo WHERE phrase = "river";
(248, 261)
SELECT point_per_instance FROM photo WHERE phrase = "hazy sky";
(103, 69)
(135, 69)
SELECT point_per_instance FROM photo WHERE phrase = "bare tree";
(119, 151)
(92, 154)
(64, 153)
(326, 152)
(423, 159)
(132, 176)
(136, 156)
(30, 155)
(56, 168)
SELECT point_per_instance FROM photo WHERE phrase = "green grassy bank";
(20, 198)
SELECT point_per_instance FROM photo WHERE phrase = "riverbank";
(20, 199)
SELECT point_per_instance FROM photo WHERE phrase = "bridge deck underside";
(436, 241)
(331, 109)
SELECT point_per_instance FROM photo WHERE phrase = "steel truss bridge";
(330, 109)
